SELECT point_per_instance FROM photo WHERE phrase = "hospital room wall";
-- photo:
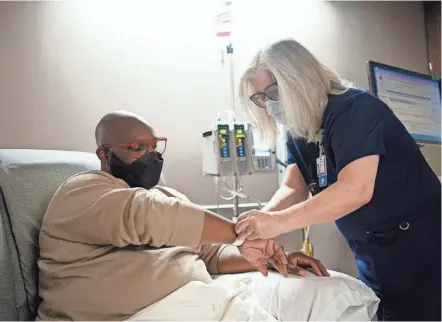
(64, 64)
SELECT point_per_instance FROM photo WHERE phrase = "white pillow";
(310, 298)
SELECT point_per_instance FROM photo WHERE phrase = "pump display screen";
(240, 140)
(224, 141)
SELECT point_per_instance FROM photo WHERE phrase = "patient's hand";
(259, 251)
(298, 263)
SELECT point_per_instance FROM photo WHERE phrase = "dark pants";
(408, 266)
(422, 309)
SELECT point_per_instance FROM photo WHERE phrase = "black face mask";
(142, 173)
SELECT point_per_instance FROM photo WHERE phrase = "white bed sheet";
(253, 297)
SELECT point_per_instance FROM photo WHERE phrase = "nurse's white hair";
(303, 85)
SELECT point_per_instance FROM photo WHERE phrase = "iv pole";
(232, 93)
(223, 30)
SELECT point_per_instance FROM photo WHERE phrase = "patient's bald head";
(120, 127)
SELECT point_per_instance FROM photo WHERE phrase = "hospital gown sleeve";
(96, 208)
(355, 130)
(210, 255)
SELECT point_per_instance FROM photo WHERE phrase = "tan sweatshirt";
(103, 248)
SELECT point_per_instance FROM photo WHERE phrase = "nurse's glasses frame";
(270, 92)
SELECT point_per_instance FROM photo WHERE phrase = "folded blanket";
(336, 298)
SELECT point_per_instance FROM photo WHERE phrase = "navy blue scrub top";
(358, 124)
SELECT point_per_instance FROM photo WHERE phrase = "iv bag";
(223, 25)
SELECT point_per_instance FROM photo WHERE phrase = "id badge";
(321, 166)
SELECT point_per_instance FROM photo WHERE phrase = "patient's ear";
(102, 155)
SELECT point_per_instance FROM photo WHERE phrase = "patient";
(112, 242)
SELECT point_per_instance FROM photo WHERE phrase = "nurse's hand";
(256, 224)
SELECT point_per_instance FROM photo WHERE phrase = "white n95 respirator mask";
(275, 110)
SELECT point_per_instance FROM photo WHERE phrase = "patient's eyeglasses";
(140, 147)
(271, 92)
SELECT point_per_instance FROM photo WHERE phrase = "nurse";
(363, 169)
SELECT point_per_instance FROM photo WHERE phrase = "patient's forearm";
(231, 261)
(217, 230)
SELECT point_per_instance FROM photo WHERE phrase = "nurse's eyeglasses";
(271, 93)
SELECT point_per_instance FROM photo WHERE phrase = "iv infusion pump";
(229, 149)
